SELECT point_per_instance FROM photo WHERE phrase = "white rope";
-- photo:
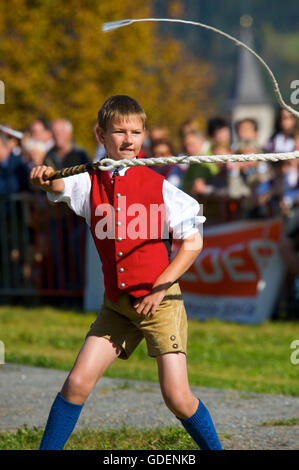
(107, 164)
(118, 24)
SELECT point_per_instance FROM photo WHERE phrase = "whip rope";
(107, 164)
(118, 24)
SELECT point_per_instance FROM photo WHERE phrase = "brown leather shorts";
(164, 332)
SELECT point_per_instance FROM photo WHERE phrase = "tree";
(56, 62)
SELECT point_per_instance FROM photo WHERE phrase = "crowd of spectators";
(265, 189)
(262, 189)
(42, 143)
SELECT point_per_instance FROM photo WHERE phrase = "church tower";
(249, 99)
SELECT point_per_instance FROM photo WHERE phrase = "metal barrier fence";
(43, 245)
(42, 248)
(220, 209)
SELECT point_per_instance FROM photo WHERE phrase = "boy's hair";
(117, 107)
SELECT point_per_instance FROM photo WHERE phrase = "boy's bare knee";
(76, 388)
(180, 404)
(174, 404)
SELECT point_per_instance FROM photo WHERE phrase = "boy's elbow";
(194, 243)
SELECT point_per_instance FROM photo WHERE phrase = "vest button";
(118, 195)
(121, 270)
(117, 209)
(119, 239)
(172, 337)
(120, 253)
(122, 284)
(175, 346)
(118, 223)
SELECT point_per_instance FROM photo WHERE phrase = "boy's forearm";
(56, 187)
(185, 257)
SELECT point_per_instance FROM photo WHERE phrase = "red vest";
(127, 229)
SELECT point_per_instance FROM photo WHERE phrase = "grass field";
(168, 438)
(220, 355)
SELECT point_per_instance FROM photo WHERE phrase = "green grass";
(220, 355)
(282, 422)
(167, 438)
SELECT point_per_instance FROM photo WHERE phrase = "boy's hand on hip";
(148, 304)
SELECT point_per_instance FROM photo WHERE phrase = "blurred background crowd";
(239, 190)
(264, 189)
(202, 95)
(228, 191)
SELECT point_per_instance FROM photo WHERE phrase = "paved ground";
(28, 392)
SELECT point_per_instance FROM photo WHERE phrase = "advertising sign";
(239, 273)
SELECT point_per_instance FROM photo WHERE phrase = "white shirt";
(181, 210)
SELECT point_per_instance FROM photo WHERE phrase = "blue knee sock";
(61, 422)
(201, 428)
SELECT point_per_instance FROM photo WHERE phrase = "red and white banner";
(239, 273)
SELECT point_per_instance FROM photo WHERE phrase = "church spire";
(249, 98)
(249, 88)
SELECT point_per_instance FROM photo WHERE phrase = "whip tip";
(115, 24)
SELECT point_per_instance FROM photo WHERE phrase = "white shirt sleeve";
(182, 212)
(76, 194)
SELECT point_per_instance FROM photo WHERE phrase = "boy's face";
(123, 138)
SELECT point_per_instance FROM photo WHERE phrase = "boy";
(142, 296)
